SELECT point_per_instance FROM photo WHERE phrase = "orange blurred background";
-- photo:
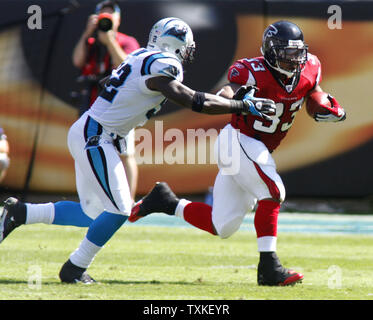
(34, 117)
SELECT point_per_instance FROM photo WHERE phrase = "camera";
(105, 22)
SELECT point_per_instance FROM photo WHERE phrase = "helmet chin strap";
(288, 74)
(284, 72)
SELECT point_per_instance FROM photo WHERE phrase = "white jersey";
(126, 102)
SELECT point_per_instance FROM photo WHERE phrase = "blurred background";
(332, 163)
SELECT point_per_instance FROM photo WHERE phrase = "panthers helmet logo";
(177, 32)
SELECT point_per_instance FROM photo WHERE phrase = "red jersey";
(101, 65)
(288, 100)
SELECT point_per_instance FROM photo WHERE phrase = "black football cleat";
(70, 273)
(13, 215)
(272, 273)
(160, 199)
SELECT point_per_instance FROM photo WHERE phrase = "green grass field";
(163, 263)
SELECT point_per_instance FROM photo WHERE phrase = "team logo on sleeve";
(234, 73)
(171, 71)
(239, 65)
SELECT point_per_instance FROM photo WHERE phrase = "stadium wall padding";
(316, 159)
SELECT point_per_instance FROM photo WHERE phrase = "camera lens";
(104, 22)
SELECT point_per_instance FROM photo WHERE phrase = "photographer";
(101, 48)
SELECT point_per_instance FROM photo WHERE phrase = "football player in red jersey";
(286, 74)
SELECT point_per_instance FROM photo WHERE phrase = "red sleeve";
(90, 65)
(319, 74)
(238, 73)
(128, 44)
(314, 69)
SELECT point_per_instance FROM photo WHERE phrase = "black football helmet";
(284, 49)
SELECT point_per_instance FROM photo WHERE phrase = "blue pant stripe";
(97, 159)
(91, 128)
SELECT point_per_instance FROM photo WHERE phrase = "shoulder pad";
(240, 73)
(162, 64)
(313, 69)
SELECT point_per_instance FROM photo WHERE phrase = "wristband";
(198, 101)
(237, 106)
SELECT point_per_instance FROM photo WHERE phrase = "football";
(313, 103)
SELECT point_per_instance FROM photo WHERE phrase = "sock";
(104, 227)
(179, 211)
(84, 255)
(267, 244)
(59, 213)
(265, 222)
(99, 232)
(198, 214)
(69, 213)
(39, 213)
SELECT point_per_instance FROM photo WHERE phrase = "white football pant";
(100, 176)
(247, 174)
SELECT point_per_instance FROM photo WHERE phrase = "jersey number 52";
(118, 77)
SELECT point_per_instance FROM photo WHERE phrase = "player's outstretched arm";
(188, 98)
(197, 101)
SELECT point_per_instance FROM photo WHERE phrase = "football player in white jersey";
(133, 93)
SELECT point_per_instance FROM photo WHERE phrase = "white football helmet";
(175, 36)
